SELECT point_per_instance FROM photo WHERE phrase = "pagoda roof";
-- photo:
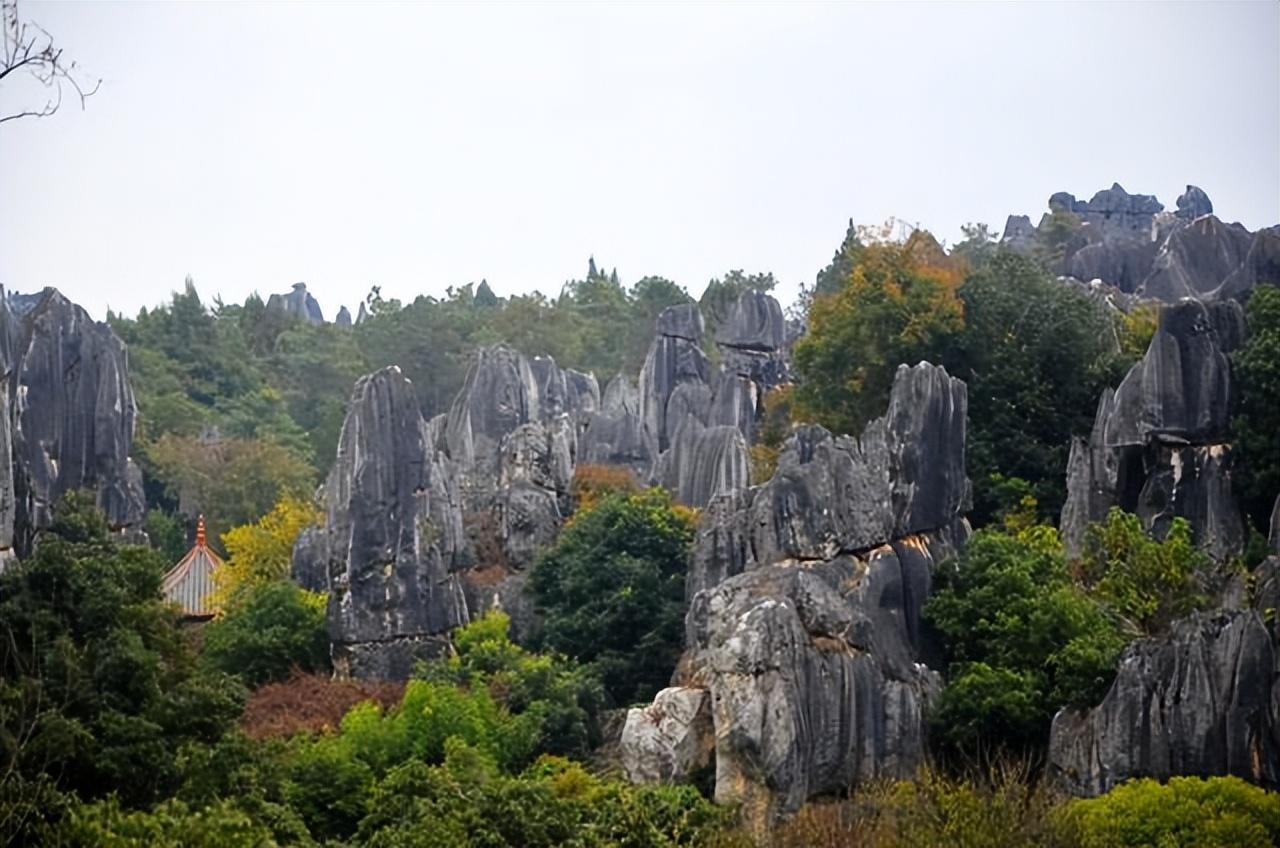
(189, 584)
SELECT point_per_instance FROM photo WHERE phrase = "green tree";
(1256, 369)
(1035, 355)
(1022, 640)
(269, 630)
(98, 689)
(563, 697)
(611, 590)
(897, 305)
(231, 481)
(1147, 582)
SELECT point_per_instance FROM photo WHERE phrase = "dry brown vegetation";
(310, 703)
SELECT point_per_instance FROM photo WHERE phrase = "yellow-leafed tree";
(261, 552)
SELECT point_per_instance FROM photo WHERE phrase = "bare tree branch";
(27, 46)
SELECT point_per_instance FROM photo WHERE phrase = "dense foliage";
(268, 632)
(99, 690)
(611, 590)
(1034, 353)
(1220, 812)
(1027, 633)
(1007, 808)
(898, 304)
(1256, 370)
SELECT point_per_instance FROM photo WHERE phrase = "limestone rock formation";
(703, 462)
(799, 705)
(298, 303)
(674, 359)
(1193, 203)
(1196, 259)
(392, 535)
(669, 740)
(499, 394)
(1159, 446)
(804, 620)
(343, 318)
(1201, 701)
(1129, 242)
(70, 419)
(615, 435)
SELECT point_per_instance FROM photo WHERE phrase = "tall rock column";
(72, 418)
(392, 533)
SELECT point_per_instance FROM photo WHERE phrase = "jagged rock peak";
(392, 535)
(298, 303)
(1193, 203)
(499, 393)
(344, 317)
(703, 462)
(683, 321)
(72, 417)
(756, 323)
(808, 588)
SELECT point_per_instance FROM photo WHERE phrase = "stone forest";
(973, 545)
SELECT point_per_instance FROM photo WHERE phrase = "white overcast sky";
(418, 146)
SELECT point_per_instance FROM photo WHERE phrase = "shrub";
(1147, 582)
(1001, 808)
(1218, 812)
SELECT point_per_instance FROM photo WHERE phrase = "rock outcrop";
(392, 536)
(1201, 701)
(1129, 242)
(804, 620)
(703, 462)
(1196, 259)
(69, 418)
(299, 303)
(669, 740)
(499, 394)
(615, 434)
(343, 318)
(1160, 442)
(675, 359)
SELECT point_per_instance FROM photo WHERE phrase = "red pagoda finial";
(200, 538)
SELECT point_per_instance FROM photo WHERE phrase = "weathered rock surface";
(1196, 259)
(703, 462)
(1128, 242)
(343, 318)
(674, 359)
(669, 740)
(798, 706)
(1200, 701)
(70, 419)
(1159, 443)
(804, 620)
(1193, 203)
(1261, 265)
(298, 303)
(499, 394)
(392, 535)
(756, 323)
